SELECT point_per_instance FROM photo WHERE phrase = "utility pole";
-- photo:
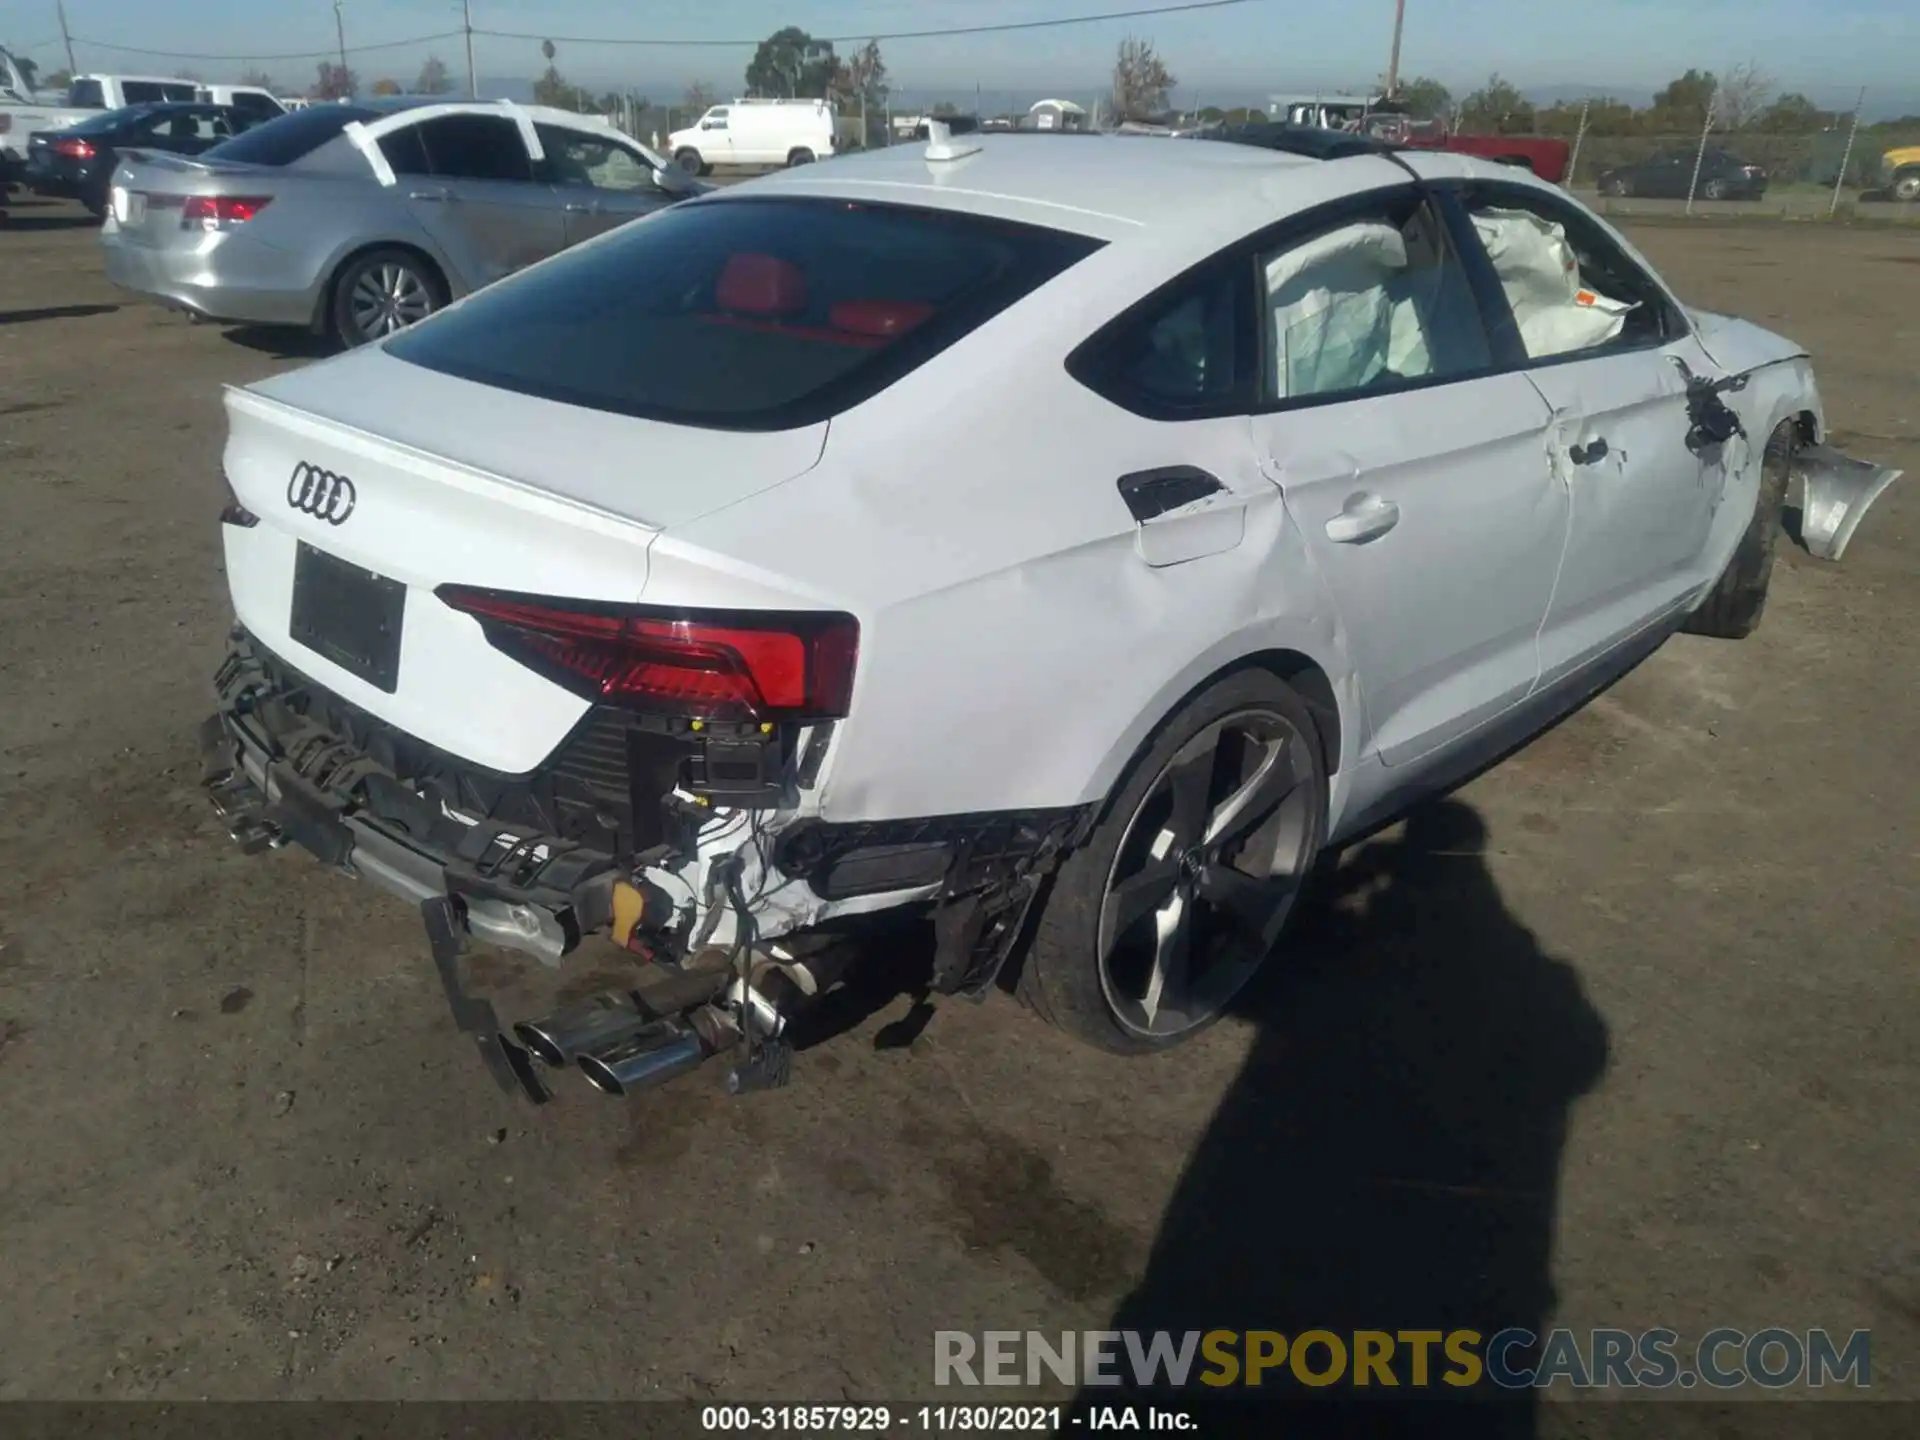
(340, 32)
(466, 15)
(1393, 60)
(66, 35)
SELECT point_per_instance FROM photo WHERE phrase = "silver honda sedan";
(356, 220)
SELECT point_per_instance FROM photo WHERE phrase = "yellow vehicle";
(1900, 172)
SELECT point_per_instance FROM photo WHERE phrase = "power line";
(958, 30)
(292, 55)
(884, 35)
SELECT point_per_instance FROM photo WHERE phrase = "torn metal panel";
(1836, 491)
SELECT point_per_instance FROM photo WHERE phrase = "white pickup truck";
(22, 113)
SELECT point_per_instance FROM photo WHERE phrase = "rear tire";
(799, 155)
(1906, 186)
(1222, 814)
(381, 292)
(1733, 607)
(1714, 190)
(689, 161)
(1615, 187)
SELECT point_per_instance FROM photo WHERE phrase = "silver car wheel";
(388, 297)
(1206, 873)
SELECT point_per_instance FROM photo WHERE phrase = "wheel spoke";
(1272, 781)
(1254, 905)
(1190, 785)
(1145, 890)
(1167, 984)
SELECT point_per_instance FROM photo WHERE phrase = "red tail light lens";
(74, 149)
(219, 212)
(715, 664)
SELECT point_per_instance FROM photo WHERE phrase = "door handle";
(1364, 517)
(574, 207)
(430, 195)
(1592, 453)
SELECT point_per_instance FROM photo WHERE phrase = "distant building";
(1056, 115)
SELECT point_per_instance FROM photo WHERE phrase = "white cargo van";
(755, 132)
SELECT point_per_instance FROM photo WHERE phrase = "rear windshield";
(110, 120)
(286, 138)
(747, 314)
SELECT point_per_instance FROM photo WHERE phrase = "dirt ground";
(1624, 1033)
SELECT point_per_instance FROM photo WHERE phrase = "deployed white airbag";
(1541, 276)
(1340, 317)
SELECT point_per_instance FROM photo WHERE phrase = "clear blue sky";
(1248, 50)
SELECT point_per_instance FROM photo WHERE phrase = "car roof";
(1091, 183)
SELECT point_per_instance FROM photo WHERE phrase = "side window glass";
(716, 119)
(405, 154)
(1184, 355)
(1569, 285)
(592, 161)
(142, 92)
(1367, 305)
(476, 147)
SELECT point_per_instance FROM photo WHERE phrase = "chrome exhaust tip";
(651, 1055)
(594, 1023)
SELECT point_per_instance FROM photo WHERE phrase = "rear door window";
(292, 136)
(406, 153)
(86, 95)
(476, 147)
(747, 314)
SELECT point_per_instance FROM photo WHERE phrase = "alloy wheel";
(1206, 873)
(388, 297)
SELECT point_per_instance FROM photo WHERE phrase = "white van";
(251, 101)
(755, 132)
(116, 92)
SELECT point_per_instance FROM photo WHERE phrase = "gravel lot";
(1624, 1033)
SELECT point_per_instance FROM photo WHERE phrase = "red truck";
(1547, 158)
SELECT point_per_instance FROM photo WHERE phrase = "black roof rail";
(1307, 140)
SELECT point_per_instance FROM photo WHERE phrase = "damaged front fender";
(1835, 492)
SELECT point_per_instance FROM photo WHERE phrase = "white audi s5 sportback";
(1063, 538)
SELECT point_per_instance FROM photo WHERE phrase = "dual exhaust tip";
(617, 1044)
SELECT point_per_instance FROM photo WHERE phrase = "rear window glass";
(109, 120)
(86, 95)
(293, 135)
(748, 314)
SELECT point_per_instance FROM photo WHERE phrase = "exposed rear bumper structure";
(284, 761)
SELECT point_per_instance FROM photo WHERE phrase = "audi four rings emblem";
(321, 493)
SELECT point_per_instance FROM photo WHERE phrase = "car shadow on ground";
(281, 342)
(11, 218)
(54, 312)
(1388, 1158)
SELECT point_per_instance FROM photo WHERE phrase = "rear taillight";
(233, 512)
(710, 664)
(74, 149)
(219, 212)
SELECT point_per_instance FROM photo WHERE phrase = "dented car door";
(1605, 347)
(1418, 476)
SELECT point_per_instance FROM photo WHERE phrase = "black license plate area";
(350, 615)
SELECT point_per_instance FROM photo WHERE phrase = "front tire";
(1154, 925)
(1906, 186)
(382, 292)
(1733, 607)
(1614, 186)
(689, 161)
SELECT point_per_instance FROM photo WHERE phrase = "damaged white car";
(1064, 541)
